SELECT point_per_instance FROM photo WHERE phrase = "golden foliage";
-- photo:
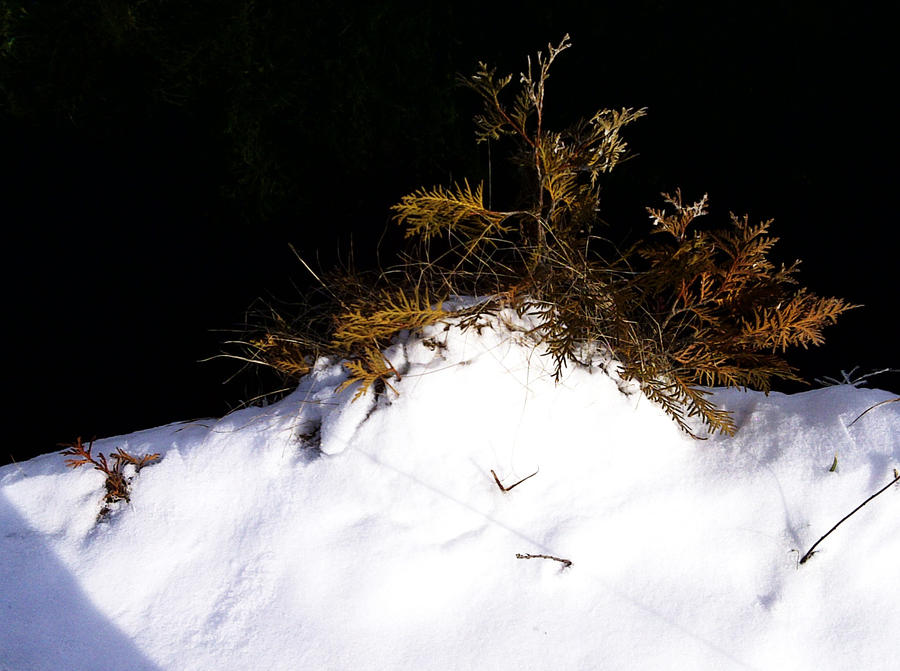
(375, 319)
(369, 369)
(719, 306)
(428, 213)
(368, 324)
(564, 166)
(683, 309)
(286, 354)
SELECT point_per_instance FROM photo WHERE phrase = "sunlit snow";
(320, 533)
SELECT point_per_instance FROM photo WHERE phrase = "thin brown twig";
(506, 489)
(565, 562)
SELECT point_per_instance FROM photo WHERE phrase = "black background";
(140, 222)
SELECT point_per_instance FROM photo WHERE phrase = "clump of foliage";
(682, 309)
(116, 480)
(352, 318)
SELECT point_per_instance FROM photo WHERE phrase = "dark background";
(158, 158)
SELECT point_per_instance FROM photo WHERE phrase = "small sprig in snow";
(116, 480)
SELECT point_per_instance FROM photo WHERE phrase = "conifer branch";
(428, 213)
(369, 322)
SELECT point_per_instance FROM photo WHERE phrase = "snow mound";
(320, 533)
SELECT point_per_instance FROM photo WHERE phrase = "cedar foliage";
(116, 480)
(351, 318)
(683, 309)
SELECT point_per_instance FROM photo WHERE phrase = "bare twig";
(565, 562)
(811, 551)
(506, 489)
(852, 378)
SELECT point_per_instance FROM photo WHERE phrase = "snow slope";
(317, 533)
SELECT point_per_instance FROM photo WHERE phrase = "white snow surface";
(320, 533)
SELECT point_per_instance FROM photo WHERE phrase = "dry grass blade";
(880, 403)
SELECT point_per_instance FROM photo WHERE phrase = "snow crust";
(320, 533)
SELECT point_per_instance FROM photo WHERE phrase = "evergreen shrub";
(683, 309)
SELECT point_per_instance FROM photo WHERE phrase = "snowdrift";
(320, 533)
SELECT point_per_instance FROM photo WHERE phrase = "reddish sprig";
(116, 484)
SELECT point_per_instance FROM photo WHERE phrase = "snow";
(321, 533)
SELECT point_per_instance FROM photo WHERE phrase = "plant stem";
(811, 551)
(565, 562)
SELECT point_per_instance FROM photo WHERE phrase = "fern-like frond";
(604, 146)
(428, 213)
(682, 401)
(370, 369)
(677, 223)
(798, 321)
(122, 457)
(116, 482)
(494, 121)
(374, 321)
